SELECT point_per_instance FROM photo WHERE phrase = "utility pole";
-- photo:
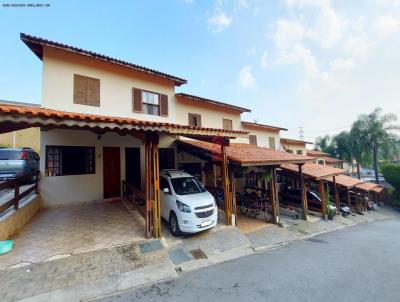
(301, 133)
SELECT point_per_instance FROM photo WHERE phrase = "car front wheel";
(174, 225)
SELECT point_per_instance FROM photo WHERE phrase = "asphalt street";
(361, 263)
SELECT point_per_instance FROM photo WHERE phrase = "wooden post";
(335, 193)
(148, 205)
(225, 177)
(156, 188)
(323, 198)
(348, 197)
(274, 197)
(233, 197)
(304, 202)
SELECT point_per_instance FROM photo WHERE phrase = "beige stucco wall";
(29, 137)
(57, 190)
(15, 220)
(116, 85)
(211, 116)
(262, 137)
(294, 148)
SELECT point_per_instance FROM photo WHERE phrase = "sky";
(315, 64)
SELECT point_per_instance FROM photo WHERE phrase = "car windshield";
(9, 155)
(187, 185)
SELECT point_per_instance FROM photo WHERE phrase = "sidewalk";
(109, 270)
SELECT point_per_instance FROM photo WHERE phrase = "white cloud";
(342, 64)
(287, 33)
(245, 78)
(219, 22)
(298, 54)
(387, 25)
(264, 60)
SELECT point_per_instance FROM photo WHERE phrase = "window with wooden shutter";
(194, 119)
(271, 143)
(163, 105)
(227, 124)
(137, 100)
(86, 90)
(253, 140)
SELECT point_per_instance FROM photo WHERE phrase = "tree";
(343, 147)
(324, 144)
(376, 128)
(358, 143)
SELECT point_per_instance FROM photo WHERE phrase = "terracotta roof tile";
(316, 153)
(366, 186)
(332, 160)
(36, 45)
(346, 181)
(314, 170)
(54, 117)
(212, 102)
(293, 141)
(262, 126)
(249, 155)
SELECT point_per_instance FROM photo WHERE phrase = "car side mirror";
(166, 190)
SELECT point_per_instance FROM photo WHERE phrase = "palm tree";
(343, 149)
(377, 128)
(325, 144)
(358, 143)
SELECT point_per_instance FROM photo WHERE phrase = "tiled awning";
(314, 171)
(366, 186)
(247, 155)
(346, 181)
(13, 117)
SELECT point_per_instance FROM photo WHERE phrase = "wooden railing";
(16, 184)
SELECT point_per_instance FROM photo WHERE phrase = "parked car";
(313, 198)
(185, 203)
(17, 162)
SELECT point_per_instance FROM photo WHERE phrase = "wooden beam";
(274, 197)
(233, 197)
(336, 194)
(225, 178)
(304, 202)
(156, 190)
(323, 198)
(148, 205)
(348, 197)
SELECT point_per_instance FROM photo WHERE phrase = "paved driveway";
(76, 229)
(357, 264)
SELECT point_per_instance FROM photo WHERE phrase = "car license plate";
(206, 223)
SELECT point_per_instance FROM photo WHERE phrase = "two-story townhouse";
(323, 158)
(294, 146)
(262, 135)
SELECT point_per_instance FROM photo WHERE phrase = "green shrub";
(391, 173)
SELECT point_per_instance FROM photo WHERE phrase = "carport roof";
(248, 155)
(378, 189)
(13, 117)
(346, 181)
(314, 171)
(366, 186)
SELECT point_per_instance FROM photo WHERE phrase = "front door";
(111, 172)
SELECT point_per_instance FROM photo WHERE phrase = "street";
(356, 264)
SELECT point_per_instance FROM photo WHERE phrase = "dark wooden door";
(132, 167)
(111, 172)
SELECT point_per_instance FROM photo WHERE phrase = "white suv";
(185, 203)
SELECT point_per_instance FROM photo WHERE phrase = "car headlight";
(215, 202)
(183, 207)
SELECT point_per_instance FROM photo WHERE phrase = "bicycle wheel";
(253, 210)
(243, 206)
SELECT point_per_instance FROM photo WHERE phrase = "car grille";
(204, 207)
(204, 214)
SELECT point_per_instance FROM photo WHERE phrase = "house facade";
(294, 146)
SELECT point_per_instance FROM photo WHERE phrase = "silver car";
(17, 162)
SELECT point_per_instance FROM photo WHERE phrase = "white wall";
(116, 85)
(262, 137)
(211, 116)
(58, 190)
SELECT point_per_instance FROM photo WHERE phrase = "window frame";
(196, 118)
(271, 139)
(146, 104)
(57, 163)
(230, 122)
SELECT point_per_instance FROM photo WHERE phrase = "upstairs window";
(194, 120)
(299, 152)
(70, 160)
(253, 140)
(86, 90)
(148, 102)
(271, 143)
(227, 124)
(289, 151)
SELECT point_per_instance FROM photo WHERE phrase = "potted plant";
(330, 209)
